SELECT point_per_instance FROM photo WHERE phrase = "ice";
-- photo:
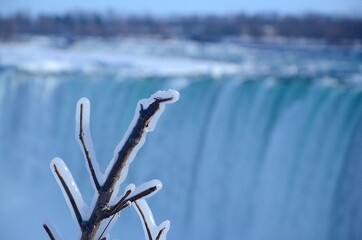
(83, 123)
(53, 230)
(89, 144)
(151, 126)
(134, 191)
(68, 178)
(148, 217)
(130, 187)
(162, 95)
(246, 127)
(143, 187)
(88, 139)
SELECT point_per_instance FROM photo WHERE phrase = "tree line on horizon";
(333, 30)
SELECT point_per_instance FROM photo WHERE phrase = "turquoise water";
(264, 143)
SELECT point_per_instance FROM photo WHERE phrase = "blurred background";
(265, 142)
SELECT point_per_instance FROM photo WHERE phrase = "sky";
(185, 7)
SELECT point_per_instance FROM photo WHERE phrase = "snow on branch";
(94, 222)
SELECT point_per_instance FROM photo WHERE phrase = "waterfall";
(252, 160)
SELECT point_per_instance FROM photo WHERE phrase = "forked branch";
(102, 209)
(106, 191)
(121, 204)
(118, 206)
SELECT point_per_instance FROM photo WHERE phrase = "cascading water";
(250, 159)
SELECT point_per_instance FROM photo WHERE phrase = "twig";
(86, 151)
(70, 197)
(144, 221)
(49, 232)
(160, 233)
(118, 206)
(142, 194)
(121, 204)
(110, 220)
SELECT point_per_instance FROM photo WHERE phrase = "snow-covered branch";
(106, 186)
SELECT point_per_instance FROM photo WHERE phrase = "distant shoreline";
(206, 28)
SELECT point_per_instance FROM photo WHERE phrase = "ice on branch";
(155, 184)
(152, 231)
(51, 231)
(95, 222)
(70, 190)
(84, 138)
(145, 108)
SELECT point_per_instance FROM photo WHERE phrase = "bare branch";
(86, 151)
(160, 233)
(70, 197)
(49, 232)
(144, 221)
